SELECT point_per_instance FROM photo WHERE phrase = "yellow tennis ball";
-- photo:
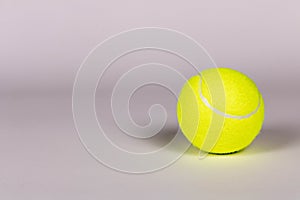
(220, 110)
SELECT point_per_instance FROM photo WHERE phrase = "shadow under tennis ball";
(271, 139)
(167, 134)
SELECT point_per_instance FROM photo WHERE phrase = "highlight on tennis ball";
(220, 110)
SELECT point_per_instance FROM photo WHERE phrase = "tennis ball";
(220, 110)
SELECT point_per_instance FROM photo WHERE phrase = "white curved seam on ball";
(205, 101)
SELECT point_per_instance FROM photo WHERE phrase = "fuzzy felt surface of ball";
(220, 110)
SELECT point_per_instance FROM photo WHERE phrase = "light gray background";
(42, 44)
